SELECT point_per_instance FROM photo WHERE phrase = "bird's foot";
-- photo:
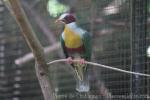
(69, 60)
(82, 61)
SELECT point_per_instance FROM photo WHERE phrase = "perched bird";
(76, 44)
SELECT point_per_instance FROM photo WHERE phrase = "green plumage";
(76, 44)
(80, 69)
(86, 38)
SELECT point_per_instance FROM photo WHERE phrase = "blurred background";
(120, 36)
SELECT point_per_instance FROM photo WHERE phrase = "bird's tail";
(83, 85)
(82, 79)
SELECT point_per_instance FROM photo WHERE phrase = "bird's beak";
(57, 21)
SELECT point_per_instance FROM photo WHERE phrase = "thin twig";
(103, 66)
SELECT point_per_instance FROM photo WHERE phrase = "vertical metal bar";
(138, 47)
(131, 30)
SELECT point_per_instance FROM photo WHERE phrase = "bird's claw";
(82, 61)
(69, 60)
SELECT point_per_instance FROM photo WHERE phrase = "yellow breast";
(72, 40)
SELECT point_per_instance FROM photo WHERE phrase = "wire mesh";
(120, 32)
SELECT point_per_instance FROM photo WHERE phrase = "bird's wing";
(86, 38)
(63, 46)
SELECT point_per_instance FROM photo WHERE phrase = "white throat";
(71, 25)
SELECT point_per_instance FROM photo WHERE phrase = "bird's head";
(66, 18)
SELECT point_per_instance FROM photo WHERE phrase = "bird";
(76, 45)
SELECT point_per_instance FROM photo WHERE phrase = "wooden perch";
(29, 56)
(35, 46)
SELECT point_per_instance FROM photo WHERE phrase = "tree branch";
(41, 24)
(36, 48)
(29, 56)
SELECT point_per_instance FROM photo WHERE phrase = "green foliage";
(55, 8)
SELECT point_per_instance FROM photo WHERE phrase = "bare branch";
(36, 48)
(40, 22)
(42, 25)
(29, 56)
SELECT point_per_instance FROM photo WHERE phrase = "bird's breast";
(72, 39)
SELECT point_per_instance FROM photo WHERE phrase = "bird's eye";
(69, 19)
(66, 18)
(63, 20)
